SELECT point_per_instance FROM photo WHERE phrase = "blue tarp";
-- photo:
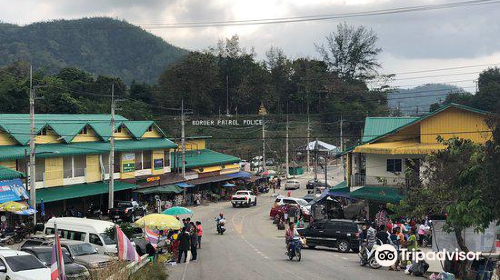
(12, 190)
(185, 185)
(229, 185)
(240, 174)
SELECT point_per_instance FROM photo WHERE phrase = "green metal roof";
(205, 157)
(160, 189)
(376, 126)
(379, 194)
(9, 174)
(68, 126)
(83, 148)
(138, 128)
(80, 190)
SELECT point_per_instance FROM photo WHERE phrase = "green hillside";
(98, 45)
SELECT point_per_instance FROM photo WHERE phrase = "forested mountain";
(417, 100)
(101, 46)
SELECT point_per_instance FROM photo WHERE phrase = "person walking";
(194, 242)
(184, 244)
(199, 229)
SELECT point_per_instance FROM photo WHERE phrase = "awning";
(229, 185)
(340, 188)
(400, 148)
(184, 185)
(378, 193)
(12, 190)
(80, 190)
(206, 180)
(9, 174)
(160, 189)
(241, 174)
(208, 169)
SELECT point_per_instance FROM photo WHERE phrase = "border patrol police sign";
(225, 122)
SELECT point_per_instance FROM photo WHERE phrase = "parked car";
(21, 265)
(85, 254)
(292, 185)
(311, 184)
(37, 241)
(72, 269)
(340, 234)
(243, 198)
(126, 211)
(277, 209)
(310, 197)
(88, 230)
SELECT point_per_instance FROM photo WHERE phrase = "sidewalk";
(434, 265)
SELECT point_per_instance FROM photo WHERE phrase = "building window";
(166, 161)
(119, 130)
(68, 167)
(146, 162)
(117, 163)
(43, 131)
(138, 161)
(80, 163)
(150, 128)
(83, 131)
(394, 165)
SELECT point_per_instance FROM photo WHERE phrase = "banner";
(158, 164)
(12, 190)
(128, 162)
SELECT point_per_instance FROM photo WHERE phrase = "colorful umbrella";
(13, 206)
(159, 221)
(177, 210)
(27, 212)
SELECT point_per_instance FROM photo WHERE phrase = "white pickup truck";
(243, 198)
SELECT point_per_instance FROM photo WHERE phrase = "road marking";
(188, 258)
(344, 258)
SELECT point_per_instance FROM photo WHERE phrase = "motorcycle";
(7, 238)
(220, 225)
(94, 212)
(295, 249)
(367, 256)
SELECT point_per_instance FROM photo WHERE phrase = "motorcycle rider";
(220, 221)
(290, 234)
(369, 239)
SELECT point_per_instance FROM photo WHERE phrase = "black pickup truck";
(126, 211)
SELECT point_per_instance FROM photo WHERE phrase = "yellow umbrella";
(159, 221)
(13, 206)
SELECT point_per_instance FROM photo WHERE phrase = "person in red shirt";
(199, 229)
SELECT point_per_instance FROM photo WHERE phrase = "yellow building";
(392, 146)
(72, 153)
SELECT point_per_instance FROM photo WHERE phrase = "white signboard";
(223, 122)
(476, 242)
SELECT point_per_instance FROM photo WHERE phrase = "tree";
(488, 95)
(351, 52)
(195, 80)
(279, 68)
(456, 185)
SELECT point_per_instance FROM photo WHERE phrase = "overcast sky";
(410, 41)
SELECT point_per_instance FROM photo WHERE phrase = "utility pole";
(183, 147)
(227, 95)
(263, 145)
(32, 176)
(308, 140)
(342, 143)
(111, 189)
(316, 160)
(286, 165)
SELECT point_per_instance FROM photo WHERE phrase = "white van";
(82, 229)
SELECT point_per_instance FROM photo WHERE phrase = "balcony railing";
(363, 180)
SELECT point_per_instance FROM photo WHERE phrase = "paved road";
(252, 248)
